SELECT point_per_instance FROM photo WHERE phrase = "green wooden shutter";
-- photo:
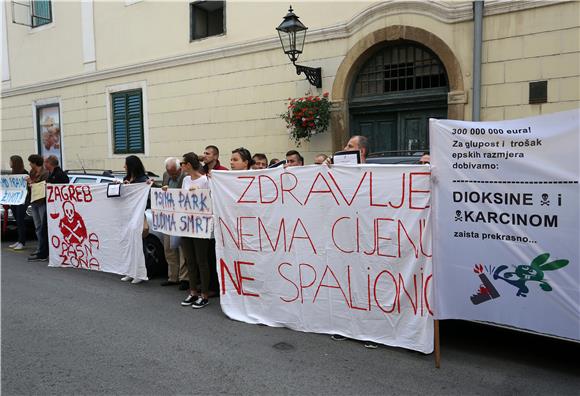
(128, 122)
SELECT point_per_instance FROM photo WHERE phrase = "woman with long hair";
(19, 211)
(241, 159)
(135, 170)
(135, 174)
(195, 250)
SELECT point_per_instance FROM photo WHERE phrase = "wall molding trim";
(444, 11)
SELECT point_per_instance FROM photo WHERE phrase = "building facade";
(96, 81)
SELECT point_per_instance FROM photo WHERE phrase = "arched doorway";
(393, 95)
(364, 49)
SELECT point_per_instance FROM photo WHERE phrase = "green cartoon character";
(530, 273)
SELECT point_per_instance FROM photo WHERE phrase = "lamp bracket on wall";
(313, 74)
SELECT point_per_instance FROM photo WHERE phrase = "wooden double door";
(400, 132)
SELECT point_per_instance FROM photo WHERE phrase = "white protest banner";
(182, 213)
(88, 230)
(345, 250)
(13, 189)
(506, 222)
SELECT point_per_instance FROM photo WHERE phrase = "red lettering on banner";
(222, 224)
(412, 191)
(293, 284)
(422, 225)
(260, 178)
(241, 277)
(425, 288)
(242, 234)
(334, 240)
(252, 178)
(337, 286)
(289, 190)
(302, 285)
(238, 283)
(401, 226)
(394, 305)
(223, 269)
(402, 194)
(68, 192)
(349, 203)
(350, 292)
(307, 236)
(281, 230)
(405, 292)
(328, 190)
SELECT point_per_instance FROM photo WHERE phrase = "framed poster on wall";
(48, 127)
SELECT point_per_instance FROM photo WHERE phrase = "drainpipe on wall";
(477, 44)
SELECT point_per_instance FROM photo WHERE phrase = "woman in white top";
(195, 250)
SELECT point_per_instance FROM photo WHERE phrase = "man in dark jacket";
(55, 176)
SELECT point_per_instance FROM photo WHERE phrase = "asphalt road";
(67, 331)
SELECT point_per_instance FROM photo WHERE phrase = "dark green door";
(400, 132)
(394, 94)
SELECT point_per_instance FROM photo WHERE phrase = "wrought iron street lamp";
(292, 33)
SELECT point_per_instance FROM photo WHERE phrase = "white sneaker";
(18, 246)
(136, 281)
(126, 278)
(13, 245)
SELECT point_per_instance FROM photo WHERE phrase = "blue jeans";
(41, 228)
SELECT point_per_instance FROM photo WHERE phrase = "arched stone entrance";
(368, 47)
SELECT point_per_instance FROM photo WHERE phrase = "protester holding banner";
(135, 170)
(55, 176)
(176, 266)
(241, 159)
(135, 174)
(36, 180)
(196, 250)
(19, 211)
(293, 158)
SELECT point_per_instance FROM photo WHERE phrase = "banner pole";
(437, 346)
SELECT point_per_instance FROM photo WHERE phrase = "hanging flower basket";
(307, 116)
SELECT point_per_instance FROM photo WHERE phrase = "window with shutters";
(41, 12)
(127, 122)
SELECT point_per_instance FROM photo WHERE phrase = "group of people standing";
(41, 170)
(192, 264)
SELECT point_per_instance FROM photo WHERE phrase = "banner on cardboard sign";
(37, 191)
(342, 250)
(13, 189)
(182, 213)
(506, 221)
(88, 230)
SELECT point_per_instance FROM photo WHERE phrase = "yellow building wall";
(235, 101)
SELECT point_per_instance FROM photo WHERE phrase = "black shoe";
(338, 337)
(189, 300)
(370, 345)
(169, 283)
(200, 303)
(184, 285)
(38, 258)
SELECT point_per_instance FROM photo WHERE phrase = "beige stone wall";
(233, 101)
(537, 44)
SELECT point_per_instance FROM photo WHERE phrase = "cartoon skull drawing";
(72, 225)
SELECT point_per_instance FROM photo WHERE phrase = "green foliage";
(307, 116)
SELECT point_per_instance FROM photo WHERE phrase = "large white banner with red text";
(506, 221)
(342, 250)
(89, 230)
